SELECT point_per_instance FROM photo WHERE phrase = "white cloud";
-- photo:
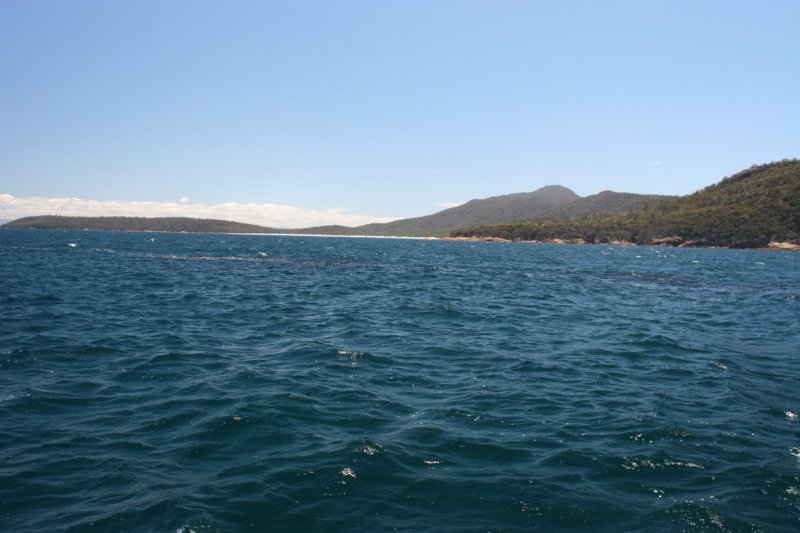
(653, 163)
(447, 205)
(273, 215)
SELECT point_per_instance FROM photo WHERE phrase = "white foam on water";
(633, 463)
(348, 353)
(348, 472)
(71, 244)
(353, 355)
(717, 521)
(685, 464)
(720, 365)
(6, 398)
(369, 449)
(791, 415)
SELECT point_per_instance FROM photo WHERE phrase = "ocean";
(184, 382)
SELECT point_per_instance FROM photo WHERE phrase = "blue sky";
(352, 111)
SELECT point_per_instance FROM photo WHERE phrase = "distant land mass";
(495, 210)
(749, 209)
(170, 224)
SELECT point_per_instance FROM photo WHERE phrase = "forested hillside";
(494, 210)
(604, 203)
(750, 208)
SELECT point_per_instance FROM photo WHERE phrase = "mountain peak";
(557, 192)
(495, 210)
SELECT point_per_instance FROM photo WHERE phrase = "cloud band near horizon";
(271, 215)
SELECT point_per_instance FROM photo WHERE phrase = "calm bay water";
(216, 382)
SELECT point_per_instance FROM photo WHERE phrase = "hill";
(603, 203)
(750, 208)
(494, 210)
(174, 224)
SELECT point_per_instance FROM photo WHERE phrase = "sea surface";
(182, 382)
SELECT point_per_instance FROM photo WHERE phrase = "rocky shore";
(674, 241)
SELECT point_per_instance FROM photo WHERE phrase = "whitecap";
(633, 463)
(6, 398)
(353, 355)
(348, 472)
(369, 449)
(71, 244)
(791, 415)
(720, 365)
(685, 464)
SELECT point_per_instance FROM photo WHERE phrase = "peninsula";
(756, 208)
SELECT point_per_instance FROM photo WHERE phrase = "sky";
(297, 113)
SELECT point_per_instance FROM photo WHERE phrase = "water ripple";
(217, 382)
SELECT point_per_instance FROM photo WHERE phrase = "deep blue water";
(176, 382)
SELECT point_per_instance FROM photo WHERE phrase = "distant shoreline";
(245, 233)
(788, 246)
(755, 208)
(661, 243)
(327, 235)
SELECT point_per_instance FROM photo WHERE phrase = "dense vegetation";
(751, 208)
(604, 203)
(175, 224)
(494, 210)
